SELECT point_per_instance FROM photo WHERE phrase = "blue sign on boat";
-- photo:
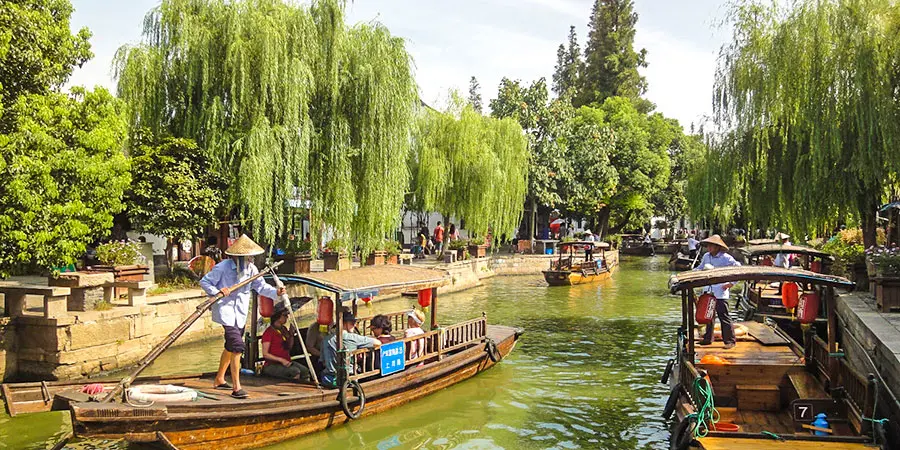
(393, 357)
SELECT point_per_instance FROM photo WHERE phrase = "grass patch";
(172, 283)
(103, 306)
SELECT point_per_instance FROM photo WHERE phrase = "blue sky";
(453, 40)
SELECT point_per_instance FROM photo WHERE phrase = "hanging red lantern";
(808, 307)
(766, 261)
(790, 295)
(266, 306)
(366, 300)
(425, 298)
(815, 266)
(706, 309)
(325, 314)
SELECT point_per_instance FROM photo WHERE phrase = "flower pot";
(295, 264)
(524, 246)
(887, 293)
(393, 259)
(336, 261)
(478, 251)
(462, 254)
(376, 258)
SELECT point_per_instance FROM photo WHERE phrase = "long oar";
(287, 303)
(177, 332)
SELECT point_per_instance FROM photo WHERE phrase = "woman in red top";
(381, 329)
(277, 342)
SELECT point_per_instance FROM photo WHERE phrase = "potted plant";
(849, 256)
(297, 256)
(886, 262)
(376, 257)
(393, 250)
(124, 260)
(460, 247)
(336, 254)
(477, 248)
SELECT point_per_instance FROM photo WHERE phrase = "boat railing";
(398, 322)
(432, 345)
(857, 388)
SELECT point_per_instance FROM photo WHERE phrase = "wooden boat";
(768, 389)
(681, 261)
(633, 244)
(764, 299)
(566, 271)
(279, 410)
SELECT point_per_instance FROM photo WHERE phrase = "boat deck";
(721, 443)
(752, 352)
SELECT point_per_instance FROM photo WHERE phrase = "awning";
(700, 278)
(774, 249)
(372, 280)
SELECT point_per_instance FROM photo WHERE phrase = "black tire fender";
(667, 372)
(683, 435)
(671, 402)
(345, 402)
(493, 352)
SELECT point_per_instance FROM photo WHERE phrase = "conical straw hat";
(244, 246)
(782, 236)
(716, 240)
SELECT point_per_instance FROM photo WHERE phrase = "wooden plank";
(717, 443)
(806, 385)
(764, 334)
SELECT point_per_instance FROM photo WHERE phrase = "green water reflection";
(584, 375)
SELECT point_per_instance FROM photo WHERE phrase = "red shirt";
(439, 233)
(279, 345)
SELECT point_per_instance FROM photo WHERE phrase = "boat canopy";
(774, 249)
(700, 278)
(372, 280)
(603, 245)
(761, 241)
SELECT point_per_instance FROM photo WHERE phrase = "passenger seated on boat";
(351, 341)
(314, 340)
(277, 342)
(381, 329)
(414, 320)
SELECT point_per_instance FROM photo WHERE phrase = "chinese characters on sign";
(393, 357)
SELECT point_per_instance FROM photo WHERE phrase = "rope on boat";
(876, 436)
(707, 414)
(771, 435)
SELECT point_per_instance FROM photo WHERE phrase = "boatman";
(231, 310)
(783, 259)
(718, 256)
(692, 244)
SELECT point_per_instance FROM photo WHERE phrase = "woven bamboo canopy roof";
(603, 245)
(761, 241)
(371, 280)
(699, 278)
(774, 249)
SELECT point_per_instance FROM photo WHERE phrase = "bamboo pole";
(177, 332)
(287, 303)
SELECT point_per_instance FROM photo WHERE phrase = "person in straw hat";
(783, 259)
(231, 310)
(718, 256)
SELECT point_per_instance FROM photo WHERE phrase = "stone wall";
(88, 343)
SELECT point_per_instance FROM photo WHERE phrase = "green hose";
(707, 415)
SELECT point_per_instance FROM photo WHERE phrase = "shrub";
(337, 245)
(886, 259)
(119, 253)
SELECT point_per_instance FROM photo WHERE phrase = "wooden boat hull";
(567, 278)
(254, 423)
(636, 250)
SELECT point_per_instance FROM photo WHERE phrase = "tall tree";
(611, 63)
(475, 95)
(568, 65)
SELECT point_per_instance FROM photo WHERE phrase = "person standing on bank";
(231, 310)
(717, 256)
(438, 238)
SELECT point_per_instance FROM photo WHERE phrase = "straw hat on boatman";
(717, 256)
(783, 259)
(231, 310)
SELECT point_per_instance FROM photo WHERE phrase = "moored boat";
(765, 299)
(279, 410)
(633, 244)
(768, 391)
(568, 270)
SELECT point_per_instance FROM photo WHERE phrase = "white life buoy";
(162, 393)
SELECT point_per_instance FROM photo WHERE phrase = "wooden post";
(832, 334)
(434, 323)
(690, 325)
(340, 336)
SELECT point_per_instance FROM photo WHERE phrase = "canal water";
(584, 375)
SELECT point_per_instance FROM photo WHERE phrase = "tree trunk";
(170, 260)
(533, 220)
(603, 221)
(867, 219)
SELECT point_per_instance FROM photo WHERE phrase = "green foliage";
(172, 283)
(472, 167)
(288, 100)
(37, 51)
(568, 66)
(807, 93)
(588, 147)
(338, 245)
(296, 246)
(393, 248)
(458, 244)
(63, 173)
(475, 95)
(174, 191)
(119, 253)
(611, 63)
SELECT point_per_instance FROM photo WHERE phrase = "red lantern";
(766, 261)
(790, 295)
(425, 298)
(266, 306)
(325, 315)
(808, 307)
(706, 309)
(366, 300)
(815, 266)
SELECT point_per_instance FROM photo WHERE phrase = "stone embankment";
(44, 341)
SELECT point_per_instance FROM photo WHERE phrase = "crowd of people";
(432, 243)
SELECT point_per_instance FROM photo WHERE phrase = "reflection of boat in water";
(567, 271)
(768, 385)
(280, 410)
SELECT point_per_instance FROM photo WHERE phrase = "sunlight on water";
(584, 375)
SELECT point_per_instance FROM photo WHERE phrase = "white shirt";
(414, 351)
(232, 310)
(692, 243)
(723, 259)
(647, 239)
(783, 259)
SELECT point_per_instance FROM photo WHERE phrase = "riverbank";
(75, 344)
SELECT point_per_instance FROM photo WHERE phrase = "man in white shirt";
(783, 259)
(718, 256)
(692, 244)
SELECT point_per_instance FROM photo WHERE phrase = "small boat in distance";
(280, 410)
(567, 271)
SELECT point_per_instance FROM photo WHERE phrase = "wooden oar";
(177, 332)
(287, 303)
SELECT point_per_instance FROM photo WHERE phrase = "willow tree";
(809, 96)
(288, 99)
(472, 167)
